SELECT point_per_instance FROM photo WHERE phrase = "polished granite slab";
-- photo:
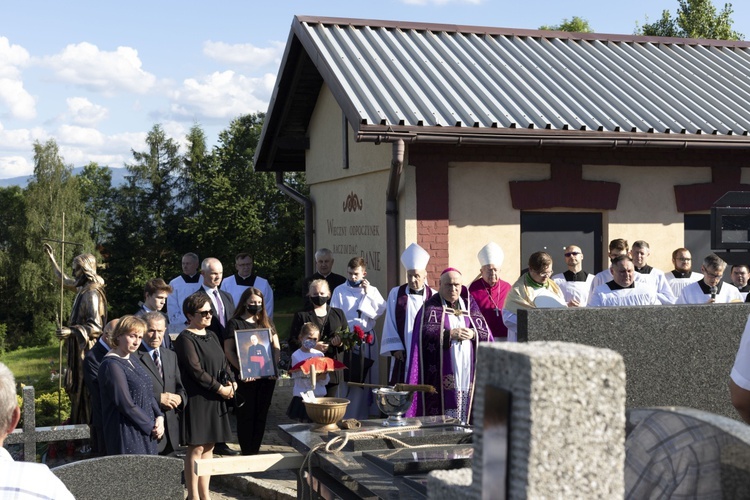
(406, 461)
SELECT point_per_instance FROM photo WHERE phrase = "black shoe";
(224, 450)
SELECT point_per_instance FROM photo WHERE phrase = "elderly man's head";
(324, 261)
(190, 263)
(156, 325)
(9, 411)
(450, 285)
(623, 270)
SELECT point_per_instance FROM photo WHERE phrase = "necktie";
(157, 362)
(219, 307)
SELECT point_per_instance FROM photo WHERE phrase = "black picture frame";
(256, 360)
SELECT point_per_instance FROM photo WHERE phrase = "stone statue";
(87, 319)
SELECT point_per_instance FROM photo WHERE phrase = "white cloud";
(244, 53)
(222, 95)
(84, 112)
(13, 95)
(101, 71)
(15, 166)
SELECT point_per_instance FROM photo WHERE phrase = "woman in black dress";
(205, 420)
(254, 393)
(131, 418)
(328, 319)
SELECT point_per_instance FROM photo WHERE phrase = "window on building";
(553, 231)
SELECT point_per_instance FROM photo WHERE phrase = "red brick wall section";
(432, 235)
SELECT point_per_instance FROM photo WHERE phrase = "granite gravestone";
(562, 425)
(675, 355)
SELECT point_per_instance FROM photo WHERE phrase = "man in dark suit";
(161, 365)
(91, 379)
(222, 305)
(222, 309)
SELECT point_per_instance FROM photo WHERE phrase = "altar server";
(575, 283)
(624, 289)
(682, 274)
(710, 289)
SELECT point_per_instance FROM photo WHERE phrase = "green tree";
(145, 222)
(95, 183)
(694, 19)
(574, 25)
(52, 191)
(13, 316)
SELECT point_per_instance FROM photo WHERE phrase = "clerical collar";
(680, 274)
(744, 289)
(249, 281)
(191, 279)
(644, 270)
(614, 286)
(533, 284)
(416, 292)
(579, 276)
(707, 289)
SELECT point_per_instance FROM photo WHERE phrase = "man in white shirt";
(616, 247)
(710, 289)
(404, 302)
(682, 274)
(237, 283)
(575, 283)
(624, 289)
(183, 286)
(22, 479)
(739, 279)
(654, 277)
(362, 305)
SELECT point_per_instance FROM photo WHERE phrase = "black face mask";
(318, 300)
(254, 309)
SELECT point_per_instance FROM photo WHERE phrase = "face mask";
(309, 344)
(254, 309)
(354, 283)
(319, 300)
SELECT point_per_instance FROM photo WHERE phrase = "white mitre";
(491, 253)
(415, 257)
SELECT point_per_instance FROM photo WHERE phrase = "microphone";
(713, 292)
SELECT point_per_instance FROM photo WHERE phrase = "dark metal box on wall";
(730, 227)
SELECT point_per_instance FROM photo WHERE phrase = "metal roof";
(453, 83)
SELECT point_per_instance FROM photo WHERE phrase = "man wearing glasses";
(575, 283)
(682, 274)
(536, 282)
(625, 289)
(710, 289)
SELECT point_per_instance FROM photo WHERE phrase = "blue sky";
(97, 75)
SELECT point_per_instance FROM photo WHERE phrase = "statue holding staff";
(87, 319)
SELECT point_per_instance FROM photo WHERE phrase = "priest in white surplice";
(616, 247)
(575, 283)
(404, 302)
(236, 284)
(184, 285)
(655, 277)
(710, 289)
(682, 274)
(624, 289)
(362, 304)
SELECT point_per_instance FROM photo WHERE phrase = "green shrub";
(45, 409)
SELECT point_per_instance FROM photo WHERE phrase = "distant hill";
(118, 178)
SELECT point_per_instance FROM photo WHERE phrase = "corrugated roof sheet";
(425, 77)
(410, 78)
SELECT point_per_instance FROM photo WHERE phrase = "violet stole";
(402, 302)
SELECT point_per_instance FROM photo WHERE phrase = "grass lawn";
(33, 365)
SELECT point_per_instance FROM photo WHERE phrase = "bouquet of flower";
(354, 338)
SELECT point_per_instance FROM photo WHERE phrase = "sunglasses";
(204, 314)
(570, 254)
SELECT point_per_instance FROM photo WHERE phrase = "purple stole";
(402, 302)
(431, 355)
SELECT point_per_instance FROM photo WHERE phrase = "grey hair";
(321, 252)
(193, 256)
(8, 400)
(641, 244)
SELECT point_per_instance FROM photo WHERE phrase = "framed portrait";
(255, 352)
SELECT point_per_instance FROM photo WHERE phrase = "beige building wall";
(349, 215)
(481, 210)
